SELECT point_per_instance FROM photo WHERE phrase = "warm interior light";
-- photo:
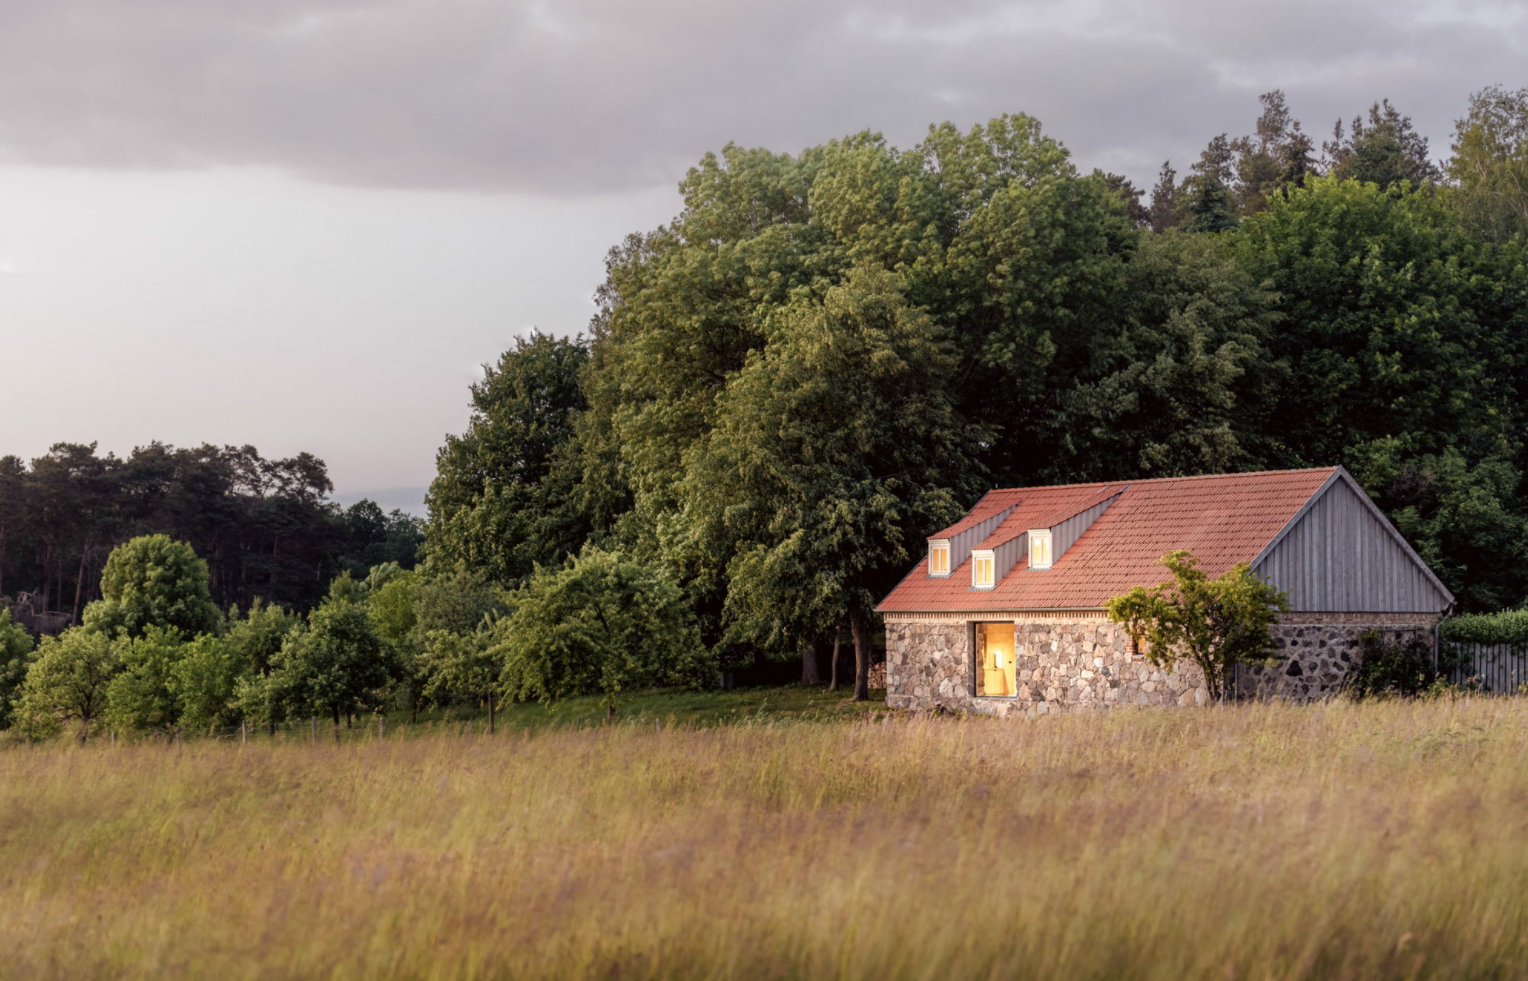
(996, 666)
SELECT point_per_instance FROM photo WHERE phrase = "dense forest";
(824, 357)
(829, 354)
(263, 526)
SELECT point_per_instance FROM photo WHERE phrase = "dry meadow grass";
(1335, 841)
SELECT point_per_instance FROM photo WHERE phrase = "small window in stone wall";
(996, 666)
(1139, 647)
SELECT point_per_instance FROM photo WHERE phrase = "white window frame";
(979, 558)
(1040, 543)
(938, 548)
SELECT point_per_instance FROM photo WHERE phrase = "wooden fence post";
(243, 732)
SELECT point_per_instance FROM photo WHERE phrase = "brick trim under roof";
(1222, 518)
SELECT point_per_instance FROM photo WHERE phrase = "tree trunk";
(490, 713)
(84, 729)
(833, 668)
(336, 725)
(861, 631)
(810, 673)
(79, 585)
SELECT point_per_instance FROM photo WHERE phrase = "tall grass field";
(1333, 841)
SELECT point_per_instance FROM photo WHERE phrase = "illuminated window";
(996, 666)
(981, 570)
(939, 559)
(1040, 548)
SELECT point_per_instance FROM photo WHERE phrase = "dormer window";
(1039, 548)
(982, 565)
(938, 558)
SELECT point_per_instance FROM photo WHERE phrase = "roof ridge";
(1163, 480)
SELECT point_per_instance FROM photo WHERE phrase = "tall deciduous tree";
(153, 581)
(142, 695)
(1490, 163)
(334, 664)
(1402, 335)
(68, 681)
(835, 449)
(503, 498)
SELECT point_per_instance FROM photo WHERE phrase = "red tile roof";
(991, 503)
(1222, 519)
(1041, 507)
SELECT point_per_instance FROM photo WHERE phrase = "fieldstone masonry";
(1066, 664)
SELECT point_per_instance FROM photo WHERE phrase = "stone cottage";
(1005, 614)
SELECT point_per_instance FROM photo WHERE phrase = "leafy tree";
(334, 663)
(15, 659)
(1490, 163)
(1466, 520)
(375, 538)
(1129, 195)
(1394, 322)
(141, 696)
(152, 581)
(68, 681)
(834, 451)
(1216, 623)
(501, 501)
(255, 638)
(1386, 151)
(602, 623)
(1177, 389)
(205, 682)
(462, 667)
(252, 643)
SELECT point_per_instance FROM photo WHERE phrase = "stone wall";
(1314, 658)
(1085, 663)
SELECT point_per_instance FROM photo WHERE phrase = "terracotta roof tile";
(1041, 507)
(1223, 519)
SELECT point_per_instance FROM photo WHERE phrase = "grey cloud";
(602, 95)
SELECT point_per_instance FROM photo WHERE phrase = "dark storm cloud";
(596, 95)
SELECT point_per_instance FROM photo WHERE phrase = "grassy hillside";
(1337, 841)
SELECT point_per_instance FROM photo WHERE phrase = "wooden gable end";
(1340, 553)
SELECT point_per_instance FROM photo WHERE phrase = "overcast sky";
(303, 225)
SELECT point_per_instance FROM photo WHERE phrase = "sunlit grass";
(1377, 840)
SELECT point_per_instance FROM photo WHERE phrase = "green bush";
(1405, 668)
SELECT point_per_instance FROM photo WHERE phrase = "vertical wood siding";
(1339, 557)
(1065, 534)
